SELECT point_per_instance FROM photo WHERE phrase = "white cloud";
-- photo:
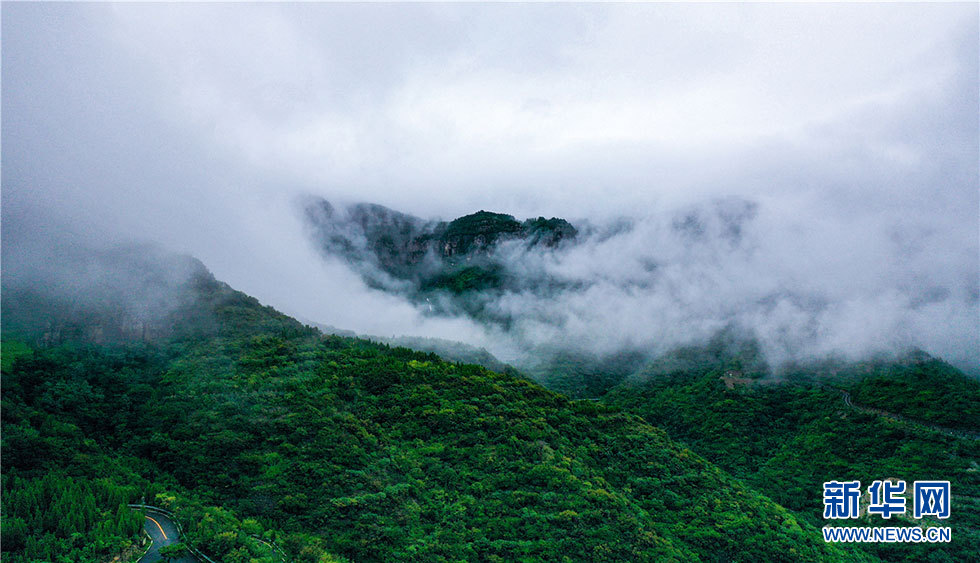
(852, 126)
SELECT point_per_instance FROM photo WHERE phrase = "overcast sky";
(853, 128)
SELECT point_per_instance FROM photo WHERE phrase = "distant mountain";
(107, 295)
(443, 265)
(122, 294)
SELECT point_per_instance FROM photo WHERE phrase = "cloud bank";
(849, 130)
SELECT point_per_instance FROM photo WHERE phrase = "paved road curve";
(163, 532)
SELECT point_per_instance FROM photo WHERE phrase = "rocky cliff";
(399, 252)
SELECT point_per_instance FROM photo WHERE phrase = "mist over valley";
(646, 285)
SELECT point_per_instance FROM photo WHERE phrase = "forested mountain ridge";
(449, 350)
(243, 422)
(399, 243)
(451, 266)
(787, 435)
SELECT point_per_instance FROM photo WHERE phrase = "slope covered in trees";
(786, 437)
(246, 423)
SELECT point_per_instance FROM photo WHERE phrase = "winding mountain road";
(163, 532)
(940, 429)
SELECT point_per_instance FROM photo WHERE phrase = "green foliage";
(62, 517)
(452, 351)
(10, 351)
(785, 438)
(253, 428)
(479, 230)
(245, 423)
(583, 375)
(923, 389)
(174, 551)
(467, 278)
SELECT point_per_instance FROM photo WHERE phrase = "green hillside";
(246, 423)
(786, 437)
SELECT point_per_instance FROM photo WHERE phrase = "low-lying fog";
(806, 173)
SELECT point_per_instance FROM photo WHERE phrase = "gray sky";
(853, 128)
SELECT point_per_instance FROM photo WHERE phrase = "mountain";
(250, 426)
(118, 294)
(450, 267)
(911, 418)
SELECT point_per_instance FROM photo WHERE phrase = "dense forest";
(252, 427)
(786, 436)
(489, 282)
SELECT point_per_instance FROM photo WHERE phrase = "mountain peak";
(461, 256)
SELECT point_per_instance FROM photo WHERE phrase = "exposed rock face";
(389, 248)
(549, 232)
(102, 296)
(478, 233)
